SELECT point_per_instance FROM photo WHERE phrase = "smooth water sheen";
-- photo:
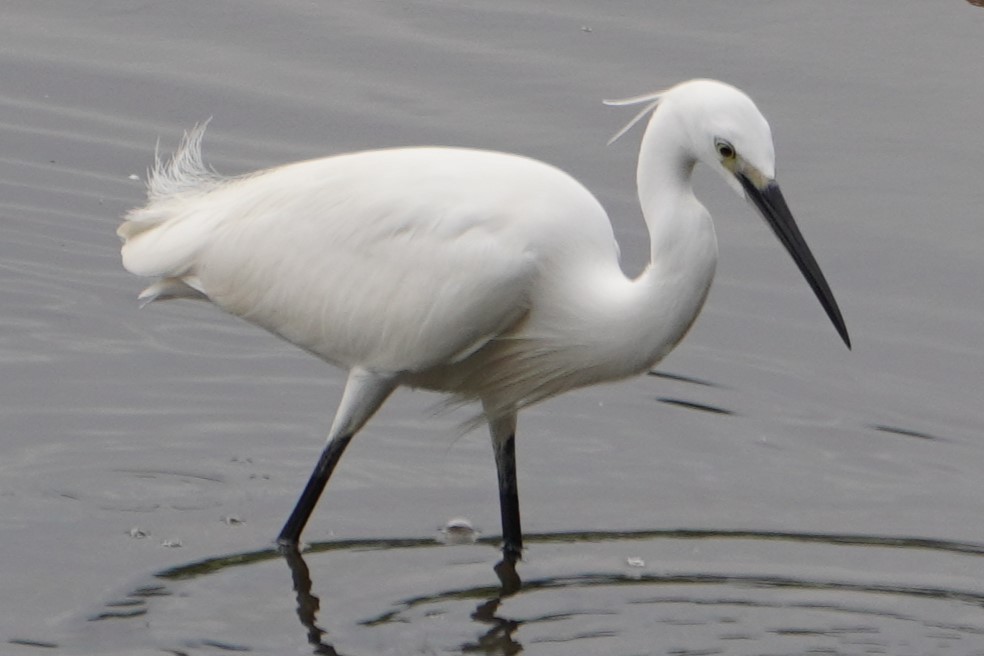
(768, 492)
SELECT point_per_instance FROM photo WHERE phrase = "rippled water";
(767, 492)
(669, 592)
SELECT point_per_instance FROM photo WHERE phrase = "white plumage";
(490, 276)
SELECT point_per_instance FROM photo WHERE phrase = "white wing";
(394, 260)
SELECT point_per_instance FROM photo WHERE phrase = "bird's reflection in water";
(497, 640)
(308, 603)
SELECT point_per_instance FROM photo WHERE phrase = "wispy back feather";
(184, 171)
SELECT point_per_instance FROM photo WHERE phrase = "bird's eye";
(725, 149)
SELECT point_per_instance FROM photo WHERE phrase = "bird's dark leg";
(290, 534)
(505, 462)
(503, 432)
(364, 393)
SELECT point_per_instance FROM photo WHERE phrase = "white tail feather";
(162, 238)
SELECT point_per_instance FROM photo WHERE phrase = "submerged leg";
(503, 431)
(364, 394)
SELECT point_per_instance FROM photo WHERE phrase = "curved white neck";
(683, 246)
(613, 326)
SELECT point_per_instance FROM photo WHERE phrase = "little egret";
(489, 276)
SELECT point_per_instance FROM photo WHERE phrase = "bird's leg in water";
(290, 534)
(364, 392)
(512, 532)
(503, 431)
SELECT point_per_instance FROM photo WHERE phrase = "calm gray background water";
(187, 427)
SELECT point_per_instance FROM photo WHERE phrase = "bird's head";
(727, 131)
(722, 128)
(719, 125)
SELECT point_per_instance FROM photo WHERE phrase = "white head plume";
(651, 99)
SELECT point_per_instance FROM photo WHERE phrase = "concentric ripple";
(650, 592)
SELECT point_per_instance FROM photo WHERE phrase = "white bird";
(485, 275)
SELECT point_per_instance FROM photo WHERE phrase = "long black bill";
(772, 205)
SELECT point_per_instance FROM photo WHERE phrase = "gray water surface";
(136, 443)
